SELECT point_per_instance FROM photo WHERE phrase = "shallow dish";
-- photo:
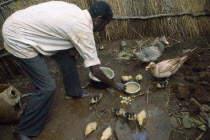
(132, 88)
(96, 82)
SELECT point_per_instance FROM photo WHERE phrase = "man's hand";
(121, 87)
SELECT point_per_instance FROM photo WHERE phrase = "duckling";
(102, 47)
(139, 77)
(162, 84)
(126, 78)
(118, 111)
(166, 68)
(141, 117)
(106, 134)
(90, 128)
(123, 45)
(95, 98)
(131, 116)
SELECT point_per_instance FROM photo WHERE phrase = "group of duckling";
(93, 126)
(138, 78)
(131, 116)
(163, 69)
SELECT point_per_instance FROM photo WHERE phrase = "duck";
(118, 111)
(96, 98)
(139, 77)
(107, 133)
(152, 53)
(141, 117)
(166, 68)
(126, 78)
(162, 84)
(131, 116)
(90, 128)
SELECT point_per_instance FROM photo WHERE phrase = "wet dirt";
(197, 77)
(67, 119)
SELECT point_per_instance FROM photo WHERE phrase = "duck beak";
(166, 42)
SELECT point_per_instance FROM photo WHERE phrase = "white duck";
(152, 53)
(166, 68)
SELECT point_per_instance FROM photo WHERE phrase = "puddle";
(157, 127)
(141, 135)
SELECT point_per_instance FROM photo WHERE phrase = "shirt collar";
(87, 14)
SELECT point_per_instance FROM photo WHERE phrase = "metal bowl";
(134, 88)
(97, 83)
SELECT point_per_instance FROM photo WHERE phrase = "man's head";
(101, 14)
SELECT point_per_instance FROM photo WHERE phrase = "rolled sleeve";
(85, 44)
(91, 62)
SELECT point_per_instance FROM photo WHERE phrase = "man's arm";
(98, 73)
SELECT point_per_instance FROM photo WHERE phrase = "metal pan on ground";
(132, 88)
(97, 83)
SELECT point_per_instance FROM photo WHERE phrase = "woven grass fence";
(177, 19)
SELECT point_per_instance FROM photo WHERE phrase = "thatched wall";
(181, 27)
(176, 27)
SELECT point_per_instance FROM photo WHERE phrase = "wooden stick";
(197, 103)
(148, 93)
(168, 100)
(138, 34)
(163, 15)
(6, 2)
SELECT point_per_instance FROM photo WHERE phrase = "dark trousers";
(35, 115)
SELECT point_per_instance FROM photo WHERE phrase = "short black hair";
(101, 8)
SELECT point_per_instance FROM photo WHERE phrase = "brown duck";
(166, 68)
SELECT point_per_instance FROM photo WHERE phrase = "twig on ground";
(200, 105)
(171, 34)
(148, 93)
(108, 63)
(106, 125)
(167, 103)
(193, 49)
(208, 44)
(200, 136)
(87, 83)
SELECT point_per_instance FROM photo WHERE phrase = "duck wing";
(170, 65)
(151, 53)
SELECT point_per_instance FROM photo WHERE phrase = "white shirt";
(49, 27)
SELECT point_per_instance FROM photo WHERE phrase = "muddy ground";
(67, 119)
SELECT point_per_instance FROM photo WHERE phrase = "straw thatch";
(176, 27)
(180, 27)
